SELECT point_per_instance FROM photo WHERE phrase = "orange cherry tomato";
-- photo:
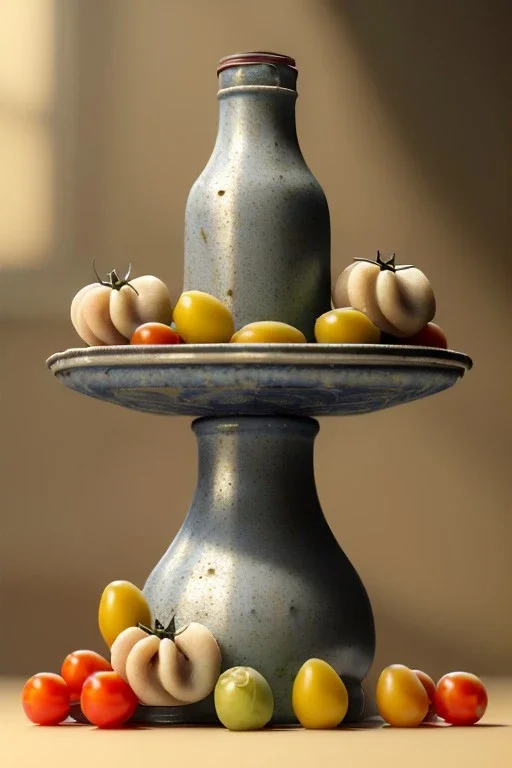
(430, 688)
(45, 699)
(431, 335)
(401, 698)
(461, 698)
(155, 333)
(107, 700)
(77, 667)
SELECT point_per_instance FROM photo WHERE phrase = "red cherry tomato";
(45, 699)
(430, 335)
(430, 688)
(107, 700)
(155, 333)
(77, 667)
(461, 698)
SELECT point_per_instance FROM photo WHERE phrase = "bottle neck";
(257, 107)
(258, 116)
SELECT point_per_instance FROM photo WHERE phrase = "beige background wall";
(404, 117)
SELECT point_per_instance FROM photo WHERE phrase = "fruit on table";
(431, 335)
(45, 699)
(430, 688)
(109, 311)
(460, 698)
(155, 333)
(144, 667)
(122, 605)
(319, 696)
(165, 666)
(268, 332)
(397, 298)
(346, 326)
(107, 700)
(200, 318)
(243, 699)
(401, 697)
(77, 667)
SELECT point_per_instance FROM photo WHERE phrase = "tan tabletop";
(487, 745)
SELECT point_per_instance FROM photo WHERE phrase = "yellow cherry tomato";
(401, 697)
(122, 605)
(346, 326)
(268, 332)
(319, 695)
(200, 318)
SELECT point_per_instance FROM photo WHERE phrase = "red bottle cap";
(255, 57)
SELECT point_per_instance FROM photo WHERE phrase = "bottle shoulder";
(279, 179)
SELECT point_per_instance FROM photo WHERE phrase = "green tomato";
(243, 699)
(200, 318)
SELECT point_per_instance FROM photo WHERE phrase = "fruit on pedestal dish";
(431, 335)
(373, 301)
(268, 332)
(155, 333)
(200, 318)
(398, 299)
(109, 311)
(346, 326)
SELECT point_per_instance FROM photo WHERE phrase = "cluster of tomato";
(407, 697)
(86, 678)
(374, 302)
(244, 700)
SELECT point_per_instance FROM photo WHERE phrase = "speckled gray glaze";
(257, 229)
(257, 563)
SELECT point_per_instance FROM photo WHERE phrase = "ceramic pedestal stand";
(255, 559)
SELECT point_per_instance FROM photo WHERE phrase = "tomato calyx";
(113, 280)
(169, 632)
(386, 262)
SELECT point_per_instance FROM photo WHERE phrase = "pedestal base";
(256, 562)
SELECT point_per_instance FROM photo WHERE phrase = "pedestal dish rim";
(378, 355)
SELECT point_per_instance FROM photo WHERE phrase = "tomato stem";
(114, 281)
(159, 630)
(386, 263)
